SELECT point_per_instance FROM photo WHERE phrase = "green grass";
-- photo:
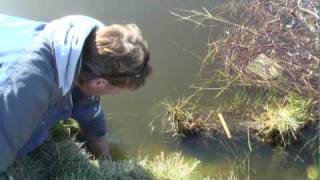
(170, 166)
(277, 119)
(68, 160)
(183, 118)
(285, 118)
(64, 129)
(243, 101)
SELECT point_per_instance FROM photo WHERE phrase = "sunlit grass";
(183, 117)
(64, 158)
(177, 116)
(68, 160)
(64, 129)
(170, 166)
(244, 102)
(285, 118)
(277, 119)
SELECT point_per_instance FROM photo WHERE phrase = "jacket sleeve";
(88, 112)
(25, 94)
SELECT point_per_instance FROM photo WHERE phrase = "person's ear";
(99, 82)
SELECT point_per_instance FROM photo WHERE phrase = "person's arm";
(88, 112)
(26, 92)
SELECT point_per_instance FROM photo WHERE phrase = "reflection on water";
(262, 162)
(170, 43)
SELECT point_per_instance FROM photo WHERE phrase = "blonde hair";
(117, 53)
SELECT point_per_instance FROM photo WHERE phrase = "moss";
(64, 129)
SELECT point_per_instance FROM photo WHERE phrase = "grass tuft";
(68, 160)
(171, 166)
(183, 118)
(283, 120)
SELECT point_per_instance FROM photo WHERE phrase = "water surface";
(170, 44)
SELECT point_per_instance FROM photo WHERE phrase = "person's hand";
(99, 146)
(5, 176)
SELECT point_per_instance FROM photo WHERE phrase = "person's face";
(98, 87)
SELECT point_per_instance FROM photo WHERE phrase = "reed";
(272, 44)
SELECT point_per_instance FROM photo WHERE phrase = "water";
(170, 43)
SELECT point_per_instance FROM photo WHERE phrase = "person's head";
(114, 57)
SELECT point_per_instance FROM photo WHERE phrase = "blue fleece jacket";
(39, 63)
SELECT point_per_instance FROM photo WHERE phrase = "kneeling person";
(57, 70)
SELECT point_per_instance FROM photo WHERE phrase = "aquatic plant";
(230, 176)
(284, 119)
(245, 101)
(182, 118)
(275, 119)
(177, 116)
(271, 43)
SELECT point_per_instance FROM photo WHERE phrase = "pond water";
(176, 51)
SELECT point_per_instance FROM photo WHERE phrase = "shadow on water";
(249, 157)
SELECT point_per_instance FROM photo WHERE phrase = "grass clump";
(245, 101)
(182, 118)
(275, 119)
(68, 160)
(170, 167)
(267, 115)
(64, 129)
(282, 121)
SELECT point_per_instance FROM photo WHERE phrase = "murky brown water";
(130, 113)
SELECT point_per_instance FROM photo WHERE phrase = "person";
(58, 70)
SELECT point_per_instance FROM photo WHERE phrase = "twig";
(204, 88)
(307, 143)
(187, 18)
(223, 122)
(315, 14)
(249, 143)
(187, 50)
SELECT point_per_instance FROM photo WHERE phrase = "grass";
(262, 43)
(274, 119)
(284, 119)
(183, 118)
(68, 160)
(170, 166)
(65, 129)
(244, 101)
(278, 120)
(272, 45)
(61, 157)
